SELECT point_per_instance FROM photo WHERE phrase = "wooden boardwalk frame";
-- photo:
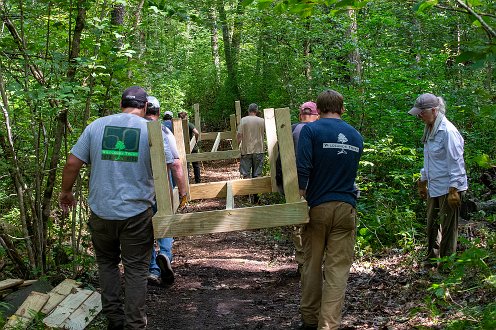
(167, 223)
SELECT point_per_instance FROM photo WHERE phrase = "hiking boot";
(166, 272)
(154, 279)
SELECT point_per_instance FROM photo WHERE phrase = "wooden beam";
(286, 150)
(192, 144)
(27, 311)
(159, 168)
(188, 145)
(196, 107)
(239, 187)
(229, 196)
(237, 106)
(216, 143)
(272, 146)
(213, 135)
(234, 138)
(219, 221)
(181, 149)
(206, 156)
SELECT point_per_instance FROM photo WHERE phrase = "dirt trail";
(249, 280)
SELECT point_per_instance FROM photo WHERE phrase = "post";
(237, 106)
(181, 149)
(288, 159)
(159, 168)
(197, 118)
(272, 147)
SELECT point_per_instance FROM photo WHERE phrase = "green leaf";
(247, 2)
(424, 5)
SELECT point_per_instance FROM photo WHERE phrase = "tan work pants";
(329, 239)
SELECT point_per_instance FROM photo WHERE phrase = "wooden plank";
(232, 119)
(192, 144)
(181, 149)
(196, 107)
(216, 143)
(159, 168)
(219, 221)
(188, 146)
(66, 307)
(213, 135)
(59, 293)
(10, 283)
(27, 283)
(239, 187)
(272, 146)
(218, 155)
(237, 106)
(85, 313)
(27, 311)
(286, 150)
(229, 196)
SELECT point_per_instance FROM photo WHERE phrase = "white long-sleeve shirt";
(444, 166)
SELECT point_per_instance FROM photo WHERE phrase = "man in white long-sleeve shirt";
(443, 177)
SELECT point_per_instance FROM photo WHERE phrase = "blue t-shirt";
(329, 150)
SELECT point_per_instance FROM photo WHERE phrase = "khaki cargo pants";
(328, 240)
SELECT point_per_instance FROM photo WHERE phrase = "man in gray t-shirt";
(121, 196)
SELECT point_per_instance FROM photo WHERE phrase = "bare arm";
(196, 133)
(177, 174)
(69, 175)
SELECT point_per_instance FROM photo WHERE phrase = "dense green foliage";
(65, 63)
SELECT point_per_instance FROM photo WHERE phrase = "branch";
(490, 32)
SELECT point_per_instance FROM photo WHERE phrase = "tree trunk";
(354, 56)
(214, 43)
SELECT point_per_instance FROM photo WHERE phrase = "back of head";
(253, 108)
(309, 108)
(134, 97)
(168, 115)
(153, 107)
(330, 101)
(183, 115)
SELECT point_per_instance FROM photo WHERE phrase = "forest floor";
(249, 280)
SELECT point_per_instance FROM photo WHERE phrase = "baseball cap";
(424, 101)
(169, 113)
(153, 102)
(308, 108)
(135, 93)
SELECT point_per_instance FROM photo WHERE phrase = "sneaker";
(154, 279)
(166, 272)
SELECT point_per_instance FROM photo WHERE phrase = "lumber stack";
(66, 306)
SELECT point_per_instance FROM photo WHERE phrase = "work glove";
(422, 189)
(454, 198)
(183, 200)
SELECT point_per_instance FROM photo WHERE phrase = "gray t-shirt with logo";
(121, 180)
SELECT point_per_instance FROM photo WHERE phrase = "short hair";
(182, 114)
(330, 101)
(253, 107)
(128, 103)
(167, 117)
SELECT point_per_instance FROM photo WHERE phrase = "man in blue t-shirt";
(329, 150)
